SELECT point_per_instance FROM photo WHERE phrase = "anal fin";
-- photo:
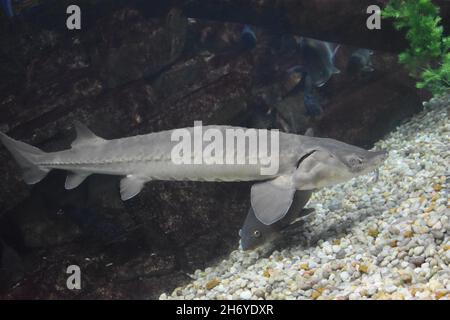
(73, 180)
(130, 186)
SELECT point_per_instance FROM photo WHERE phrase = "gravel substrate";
(385, 239)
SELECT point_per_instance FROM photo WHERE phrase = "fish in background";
(248, 37)
(288, 44)
(360, 62)
(13, 8)
(94, 225)
(296, 69)
(254, 233)
(7, 8)
(318, 57)
(283, 44)
(260, 117)
(310, 100)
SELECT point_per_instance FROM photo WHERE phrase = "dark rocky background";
(128, 72)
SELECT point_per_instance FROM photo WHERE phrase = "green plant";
(428, 55)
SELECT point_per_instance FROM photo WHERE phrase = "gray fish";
(254, 233)
(360, 61)
(305, 163)
(318, 57)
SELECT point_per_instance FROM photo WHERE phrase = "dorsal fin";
(309, 132)
(84, 135)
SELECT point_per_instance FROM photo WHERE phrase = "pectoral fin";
(271, 200)
(130, 186)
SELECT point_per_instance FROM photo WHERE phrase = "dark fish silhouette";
(94, 225)
(318, 57)
(312, 104)
(7, 7)
(254, 233)
(248, 37)
(360, 61)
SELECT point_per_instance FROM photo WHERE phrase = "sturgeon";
(305, 163)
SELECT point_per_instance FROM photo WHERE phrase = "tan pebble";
(212, 284)
(408, 234)
(363, 268)
(304, 266)
(316, 293)
(440, 294)
(406, 278)
(373, 232)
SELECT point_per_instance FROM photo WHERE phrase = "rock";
(245, 295)
(439, 235)
(406, 278)
(344, 276)
(212, 284)
(259, 293)
(417, 261)
(418, 250)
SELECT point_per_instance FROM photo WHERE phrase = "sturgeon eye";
(355, 162)
(256, 233)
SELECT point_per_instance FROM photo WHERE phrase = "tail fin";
(26, 156)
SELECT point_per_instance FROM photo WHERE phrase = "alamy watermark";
(374, 20)
(74, 280)
(73, 22)
(227, 146)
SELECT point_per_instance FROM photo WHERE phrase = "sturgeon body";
(304, 164)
